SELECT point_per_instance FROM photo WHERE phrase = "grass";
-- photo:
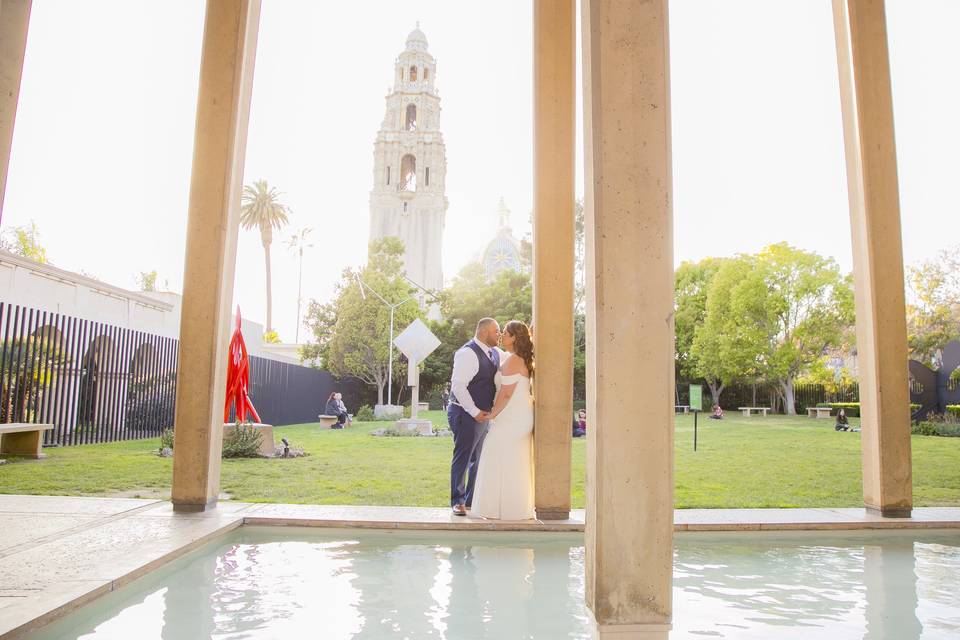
(776, 461)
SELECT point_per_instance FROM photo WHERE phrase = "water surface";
(272, 582)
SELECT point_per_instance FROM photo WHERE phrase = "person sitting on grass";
(842, 423)
(717, 413)
(580, 424)
(334, 409)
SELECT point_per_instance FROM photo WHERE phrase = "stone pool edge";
(60, 596)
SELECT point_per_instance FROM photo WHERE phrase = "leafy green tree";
(147, 280)
(803, 305)
(24, 241)
(261, 208)
(692, 283)
(723, 348)
(471, 297)
(351, 332)
(933, 305)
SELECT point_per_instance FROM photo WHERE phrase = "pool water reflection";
(269, 582)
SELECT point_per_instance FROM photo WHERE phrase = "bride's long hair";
(523, 342)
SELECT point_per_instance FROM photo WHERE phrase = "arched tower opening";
(413, 74)
(408, 173)
(411, 122)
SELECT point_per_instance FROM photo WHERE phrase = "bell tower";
(408, 199)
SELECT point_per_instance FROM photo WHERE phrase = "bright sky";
(104, 134)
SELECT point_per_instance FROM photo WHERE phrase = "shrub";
(364, 414)
(242, 442)
(166, 439)
(953, 410)
(936, 426)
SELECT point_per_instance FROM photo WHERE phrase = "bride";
(505, 476)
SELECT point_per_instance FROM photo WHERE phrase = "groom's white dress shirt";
(465, 366)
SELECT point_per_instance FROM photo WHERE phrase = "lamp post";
(298, 242)
(392, 308)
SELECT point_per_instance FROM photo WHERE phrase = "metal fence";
(97, 382)
(93, 381)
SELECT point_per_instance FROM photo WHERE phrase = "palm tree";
(261, 207)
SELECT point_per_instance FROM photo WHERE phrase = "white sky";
(104, 134)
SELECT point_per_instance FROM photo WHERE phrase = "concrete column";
(14, 22)
(629, 220)
(861, 35)
(223, 106)
(554, 41)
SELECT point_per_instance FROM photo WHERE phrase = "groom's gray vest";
(482, 387)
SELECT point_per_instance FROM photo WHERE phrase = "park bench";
(681, 408)
(748, 411)
(22, 439)
(328, 421)
(818, 412)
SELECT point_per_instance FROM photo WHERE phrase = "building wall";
(48, 288)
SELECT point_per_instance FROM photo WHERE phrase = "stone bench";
(748, 411)
(328, 421)
(681, 408)
(819, 412)
(22, 439)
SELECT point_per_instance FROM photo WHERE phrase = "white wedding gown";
(504, 488)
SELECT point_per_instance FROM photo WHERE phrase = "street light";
(298, 242)
(392, 307)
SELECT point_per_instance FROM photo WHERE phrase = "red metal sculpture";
(238, 378)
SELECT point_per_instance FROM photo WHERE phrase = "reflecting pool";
(279, 582)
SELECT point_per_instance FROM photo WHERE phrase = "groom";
(472, 391)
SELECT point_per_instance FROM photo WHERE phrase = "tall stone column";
(223, 106)
(14, 23)
(867, 103)
(629, 220)
(554, 41)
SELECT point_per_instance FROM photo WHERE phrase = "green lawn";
(756, 462)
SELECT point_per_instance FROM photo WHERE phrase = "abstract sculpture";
(238, 378)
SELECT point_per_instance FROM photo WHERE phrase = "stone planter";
(423, 406)
(388, 412)
(266, 430)
(420, 427)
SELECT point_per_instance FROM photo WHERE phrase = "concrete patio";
(59, 553)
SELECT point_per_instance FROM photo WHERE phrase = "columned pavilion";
(629, 209)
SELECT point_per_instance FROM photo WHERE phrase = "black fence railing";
(97, 382)
(93, 381)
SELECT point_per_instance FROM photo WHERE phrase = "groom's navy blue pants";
(468, 435)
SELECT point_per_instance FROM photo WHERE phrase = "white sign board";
(416, 342)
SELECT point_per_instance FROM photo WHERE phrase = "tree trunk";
(716, 388)
(380, 386)
(266, 257)
(788, 400)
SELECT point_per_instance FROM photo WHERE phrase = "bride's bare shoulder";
(513, 365)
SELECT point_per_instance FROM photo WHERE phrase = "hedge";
(853, 408)
(954, 409)
(929, 428)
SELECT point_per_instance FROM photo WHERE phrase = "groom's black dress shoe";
(459, 510)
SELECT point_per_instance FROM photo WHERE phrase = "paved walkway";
(58, 553)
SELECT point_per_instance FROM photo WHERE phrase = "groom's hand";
(483, 416)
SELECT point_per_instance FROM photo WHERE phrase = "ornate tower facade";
(408, 199)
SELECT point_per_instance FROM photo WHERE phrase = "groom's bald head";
(488, 332)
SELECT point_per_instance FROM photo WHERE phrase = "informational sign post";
(696, 397)
(696, 405)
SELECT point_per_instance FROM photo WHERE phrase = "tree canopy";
(352, 331)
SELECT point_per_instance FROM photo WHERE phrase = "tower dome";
(417, 40)
(503, 252)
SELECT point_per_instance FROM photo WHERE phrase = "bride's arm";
(503, 397)
(512, 367)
